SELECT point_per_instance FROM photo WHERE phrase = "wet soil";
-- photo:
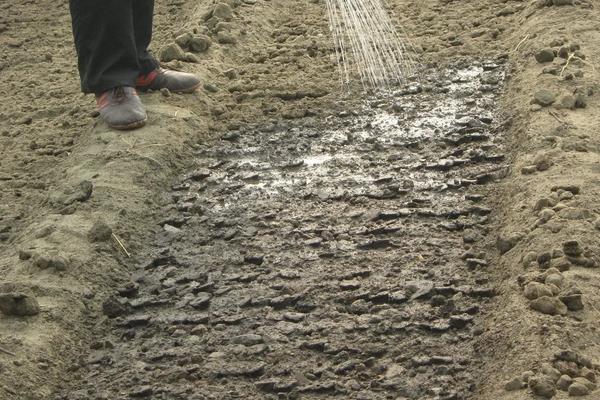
(320, 258)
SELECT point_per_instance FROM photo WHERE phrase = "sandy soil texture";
(272, 236)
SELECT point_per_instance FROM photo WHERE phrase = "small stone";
(551, 372)
(525, 376)
(254, 259)
(82, 192)
(230, 73)
(100, 232)
(142, 391)
(572, 248)
(438, 300)
(223, 11)
(572, 301)
(544, 259)
(554, 279)
(349, 285)
(247, 340)
(535, 290)
(590, 385)
(542, 386)
(567, 102)
(18, 304)
(563, 52)
(172, 52)
(528, 258)
(578, 389)
(359, 307)
(544, 55)
(588, 374)
(191, 58)
(564, 382)
(210, 87)
(184, 39)
(50, 260)
(528, 169)
(542, 162)
(114, 307)
(226, 38)
(201, 301)
(580, 101)
(544, 97)
(548, 305)
(200, 43)
(514, 384)
(199, 330)
(506, 242)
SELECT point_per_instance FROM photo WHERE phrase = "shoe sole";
(181, 91)
(130, 126)
(189, 90)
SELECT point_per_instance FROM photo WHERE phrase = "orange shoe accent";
(146, 80)
(102, 100)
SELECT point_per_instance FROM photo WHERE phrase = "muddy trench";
(319, 258)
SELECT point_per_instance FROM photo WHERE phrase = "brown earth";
(280, 68)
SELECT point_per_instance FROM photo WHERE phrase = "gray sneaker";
(121, 108)
(175, 81)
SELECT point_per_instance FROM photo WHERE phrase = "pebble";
(568, 102)
(588, 374)
(542, 386)
(551, 372)
(590, 385)
(544, 259)
(200, 43)
(223, 11)
(171, 52)
(254, 259)
(544, 97)
(572, 248)
(572, 301)
(578, 389)
(544, 55)
(556, 279)
(514, 384)
(50, 260)
(564, 382)
(535, 290)
(247, 340)
(505, 243)
(81, 193)
(226, 38)
(18, 304)
(548, 305)
(114, 307)
(99, 232)
(142, 391)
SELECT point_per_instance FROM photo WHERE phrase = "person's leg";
(105, 43)
(152, 77)
(143, 12)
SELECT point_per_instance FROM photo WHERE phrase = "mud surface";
(319, 259)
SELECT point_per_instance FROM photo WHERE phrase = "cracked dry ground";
(319, 259)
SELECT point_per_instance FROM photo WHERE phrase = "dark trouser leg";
(105, 43)
(143, 11)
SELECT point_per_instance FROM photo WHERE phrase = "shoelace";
(119, 93)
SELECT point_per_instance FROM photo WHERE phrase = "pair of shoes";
(121, 107)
